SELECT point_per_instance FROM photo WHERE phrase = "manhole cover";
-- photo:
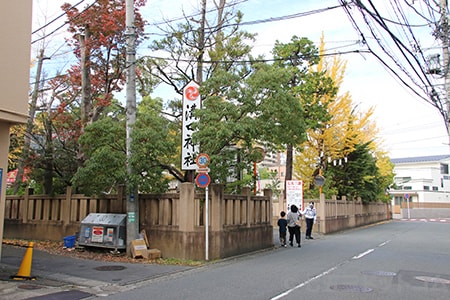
(29, 287)
(379, 273)
(109, 268)
(351, 288)
(433, 279)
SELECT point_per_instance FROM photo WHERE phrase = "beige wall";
(15, 34)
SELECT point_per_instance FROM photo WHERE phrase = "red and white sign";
(11, 176)
(294, 193)
(191, 102)
(97, 234)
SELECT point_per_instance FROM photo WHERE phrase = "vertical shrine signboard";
(191, 102)
(294, 193)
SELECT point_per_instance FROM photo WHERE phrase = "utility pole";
(30, 122)
(444, 36)
(132, 189)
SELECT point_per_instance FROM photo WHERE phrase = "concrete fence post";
(186, 207)
(322, 224)
(269, 207)
(66, 207)
(249, 214)
(334, 199)
(217, 207)
(26, 204)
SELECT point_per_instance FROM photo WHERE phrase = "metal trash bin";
(103, 230)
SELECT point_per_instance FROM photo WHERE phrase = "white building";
(423, 179)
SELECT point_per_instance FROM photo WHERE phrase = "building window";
(435, 188)
(426, 188)
(444, 168)
(406, 187)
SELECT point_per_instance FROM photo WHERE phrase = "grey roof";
(419, 159)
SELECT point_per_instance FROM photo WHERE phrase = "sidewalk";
(61, 277)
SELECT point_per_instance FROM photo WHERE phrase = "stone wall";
(174, 222)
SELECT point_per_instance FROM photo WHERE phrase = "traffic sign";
(202, 160)
(202, 180)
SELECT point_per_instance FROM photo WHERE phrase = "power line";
(261, 21)
(57, 18)
(412, 61)
(64, 24)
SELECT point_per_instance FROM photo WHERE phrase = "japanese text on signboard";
(191, 102)
(294, 193)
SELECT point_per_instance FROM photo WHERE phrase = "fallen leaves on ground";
(91, 253)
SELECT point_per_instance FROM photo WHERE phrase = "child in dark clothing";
(282, 224)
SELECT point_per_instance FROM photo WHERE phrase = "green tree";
(240, 114)
(104, 142)
(359, 177)
(83, 94)
(197, 48)
(297, 57)
(347, 134)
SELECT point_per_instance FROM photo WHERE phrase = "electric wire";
(64, 24)
(56, 19)
(426, 86)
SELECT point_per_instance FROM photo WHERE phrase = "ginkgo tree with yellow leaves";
(345, 149)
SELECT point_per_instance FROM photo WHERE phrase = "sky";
(408, 126)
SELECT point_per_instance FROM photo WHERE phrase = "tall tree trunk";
(289, 161)
(29, 130)
(86, 95)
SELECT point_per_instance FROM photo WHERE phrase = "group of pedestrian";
(292, 224)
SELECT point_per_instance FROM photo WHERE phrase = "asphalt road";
(394, 260)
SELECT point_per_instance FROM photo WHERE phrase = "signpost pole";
(206, 224)
(203, 181)
(406, 196)
(407, 203)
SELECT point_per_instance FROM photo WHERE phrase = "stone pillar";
(186, 207)
(321, 225)
(26, 204)
(217, 210)
(250, 209)
(66, 207)
(269, 216)
(335, 210)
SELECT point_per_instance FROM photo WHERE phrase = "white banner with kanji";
(191, 102)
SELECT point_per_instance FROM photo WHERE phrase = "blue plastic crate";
(69, 241)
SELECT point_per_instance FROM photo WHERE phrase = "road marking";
(325, 273)
(304, 283)
(384, 243)
(363, 254)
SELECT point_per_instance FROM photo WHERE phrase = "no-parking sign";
(202, 180)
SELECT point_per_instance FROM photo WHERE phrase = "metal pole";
(132, 191)
(443, 35)
(206, 224)
(407, 203)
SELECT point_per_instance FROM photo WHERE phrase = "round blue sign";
(203, 180)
